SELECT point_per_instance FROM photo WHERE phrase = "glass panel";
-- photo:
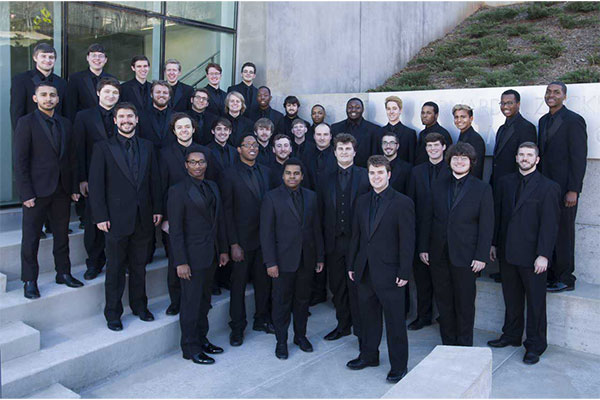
(212, 12)
(194, 48)
(122, 33)
(142, 5)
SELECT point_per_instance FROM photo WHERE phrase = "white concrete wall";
(336, 47)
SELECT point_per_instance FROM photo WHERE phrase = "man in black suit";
(204, 119)
(454, 241)
(337, 192)
(23, 85)
(317, 114)
(263, 130)
(216, 102)
(45, 166)
(282, 148)
(235, 108)
(527, 214)
(243, 186)
(563, 153)
(126, 199)
(154, 120)
(299, 141)
(291, 105)
(405, 136)
(182, 93)
(197, 231)
(319, 158)
(292, 244)
(390, 143)
(82, 86)
(263, 109)
(379, 261)
(93, 125)
(429, 117)
(246, 88)
(367, 134)
(463, 120)
(422, 178)
(137, 91)
(224, 153)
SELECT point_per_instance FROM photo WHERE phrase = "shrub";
(537, 11)
(493, 43)
(536, 38)
(479, 30)
(570, 22)
(518, 29)
(467, 72)
(499, 57)
(583, 75)
(526, 71)
(500, 78)
(498, 14)
(411, 78)
(583, 6)
(551, 49)
(594, 59)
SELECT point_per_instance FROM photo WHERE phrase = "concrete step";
(573, 317)
(84, 352)
(18, 339)
(2, 283)
(10, 251)
(55, 391)
(59, 304)
(11, 218)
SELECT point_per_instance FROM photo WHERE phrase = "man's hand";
(570, 199)
(351, 275)
(273, 271)
(320, 267)
(84, 188)
(29, 203)
(493, 253)
(75, 196)
(424, 258)
(156, 219)
(540, 264)
(477, 265)
(400, 282)
(165, 226)
(184, 271)
(103, 226)
(223, 259)
(237, 253)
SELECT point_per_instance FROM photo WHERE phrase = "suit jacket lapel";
(143, 161)
(508, 132)
(290, 202)
(529, 189)
(137, 93)
(178, 93)
(246, 179)
(333, 187)
(89, 85)
(385, 203)
(354, 187)
(63, 139)
(47, 132)
(117, 153)
(555, 125)
(197, 199)
(465, 188)
(99, 124)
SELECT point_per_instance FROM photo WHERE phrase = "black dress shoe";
(115, 325)
(173, 309)
(236, 339)
(418, 324)
(281, 351)
(30, 290)
(395, 376)
(216, 291)
(316, 300)
(43, 235)
(48, 230)
(303, 343)
(502, 342)
(496, 277)
(67, 279)
(531, 358)
(81, 226)
(211, 348)
(266, 327)
(69, 231)
(358, 363)
(560, 287)
(337, 334)
(91, 273)
(200, 358)
(145, 315)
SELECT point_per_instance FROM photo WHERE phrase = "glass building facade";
(195, 33)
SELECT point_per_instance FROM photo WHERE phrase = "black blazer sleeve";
(226, 185)
(355, 239)
(73, 159)
(406, 234)
(550, 222)
(318, 232)
(425, 225)
(97, 185)
(22, 162)
(176, 210)
(156, 187)
(18, 100)
(486, 225)
(80, 137)
(577, 153)
(498, 190)
(267, 231)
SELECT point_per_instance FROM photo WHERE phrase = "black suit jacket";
(114, 194)
(400, 175)
(407, 141)
(249, 98)
(326, 195)
(216, 101)
(89, 129)
(563, 149)
(467, 227)
(242, 204)
(474, 139)
(528, 228)
(205, 119)
(284, 236)
(21, 94)
(149, 129)
(181, 99)
(130, 93)
(38, 164)
(388, 246)
(421, 154)
(310, 158)
(240, 125)
(256, 114)
(510, 135)
(81, 92)
(367, 134)
(196, 236)
(220, 163)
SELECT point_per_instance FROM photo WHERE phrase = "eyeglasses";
(213, 74)
(194, 163)
(201, 98)
(389, 143)
(250, 146)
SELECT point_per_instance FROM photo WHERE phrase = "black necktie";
(373, 211)
(131, 158)
(520, 189)
(344, 177)
(55, 133)
(457, 186)
(255, 183)
(208, 197)
(298, 202)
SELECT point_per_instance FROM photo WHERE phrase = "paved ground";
(252, 371)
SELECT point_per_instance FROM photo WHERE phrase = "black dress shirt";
(131, 151)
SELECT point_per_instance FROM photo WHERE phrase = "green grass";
(518, 30)
(536, 39)
(583, 75)
(551, 48)
(500, 78)
(499, 57)
(594, 59)
(527, 70)
(465, 73)
(537, 11)
(583, 6)
(479, 30)
(493, 43)
(571, 22)
(412, 80)
(498, 14)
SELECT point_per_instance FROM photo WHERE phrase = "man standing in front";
(292, 244)
(126, 199)
(379, 261)
(563, 152)
(527, 215)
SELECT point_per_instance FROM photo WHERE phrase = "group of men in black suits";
(292, 207)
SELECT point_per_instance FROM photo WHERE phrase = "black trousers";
(345, 295)
(173, 284)
(378, 300)
(319, 284)
(80, 208)
(562, 266)
(454, 290)
(291, 294)
(193, 314)
(122, 252)
(56, 208)
(424, 287)
(518, 284)
(93, 240)
(251, 266)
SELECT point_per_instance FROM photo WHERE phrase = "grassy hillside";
(521, 44)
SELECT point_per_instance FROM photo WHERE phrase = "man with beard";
(246, 87)
(291, 104)
(406, 137)
(263, 130)
(390, 143)
(282, 148)
(429, 117)
(367, 134)
(204, 119)
(137, 91)
(216, 96)
(264, 110)
(154, 121)
(463, 120)
(181, 92)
